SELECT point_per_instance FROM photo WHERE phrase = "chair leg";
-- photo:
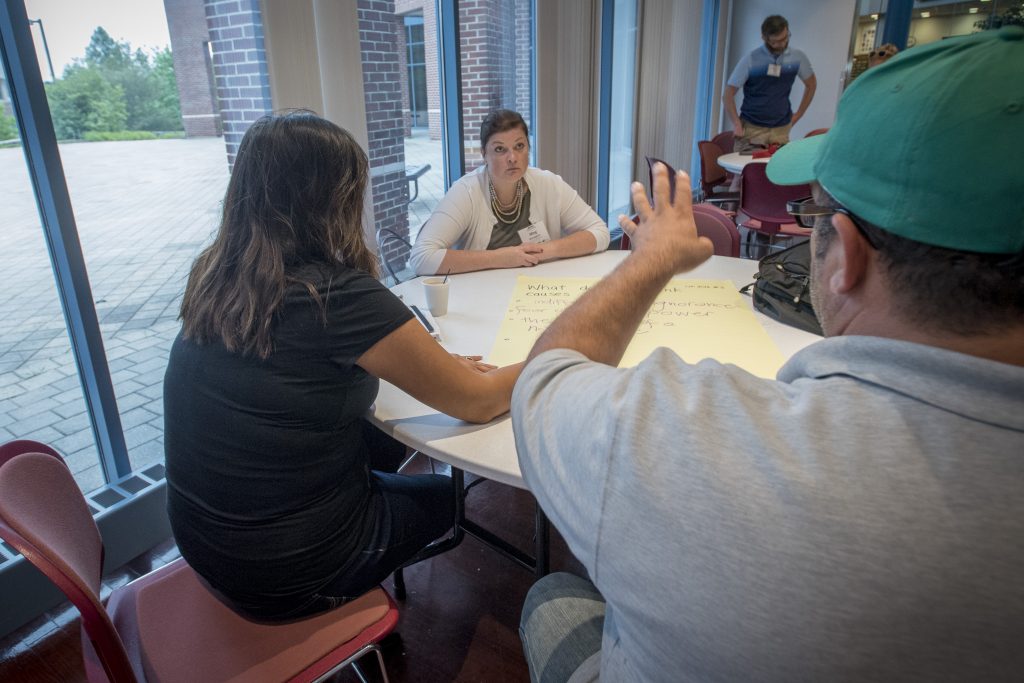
(410, 458)
(359, 672)
(399, 584)
(380, 661)
(542, 543)
(407, 461)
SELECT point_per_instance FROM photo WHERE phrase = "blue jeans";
(561, 626)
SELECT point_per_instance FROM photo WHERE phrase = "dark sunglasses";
(806, 213)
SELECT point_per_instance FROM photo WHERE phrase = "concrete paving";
(144, 210)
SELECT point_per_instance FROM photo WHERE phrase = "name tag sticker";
(775, 70)
(535, 234)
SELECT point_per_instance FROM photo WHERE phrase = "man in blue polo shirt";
(766, 76)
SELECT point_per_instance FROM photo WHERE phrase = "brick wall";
(381, 40)
(193, 69)
(495, 42)
(239, 66)
(523, 67)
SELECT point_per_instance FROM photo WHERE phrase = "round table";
(476, 309)
(734, 161)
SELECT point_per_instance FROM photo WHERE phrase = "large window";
(623, 101)
(417, 70)
(929, 22)
(145, 174)
(148, 103)
(40, 391)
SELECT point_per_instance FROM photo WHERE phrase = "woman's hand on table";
(526, 254)
(461, 386)
(474, 363)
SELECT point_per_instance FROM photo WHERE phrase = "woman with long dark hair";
(274, 492)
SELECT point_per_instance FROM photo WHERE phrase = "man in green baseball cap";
(859, 517)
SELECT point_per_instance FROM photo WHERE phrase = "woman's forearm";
(466, 261)
(577, 244)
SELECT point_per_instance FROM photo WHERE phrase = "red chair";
(712, 223)
(717, 226)
(764, 205)
(714, 180)
(816, 131)
(726, 140)
(166, 626)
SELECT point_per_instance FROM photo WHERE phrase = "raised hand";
(666, 233)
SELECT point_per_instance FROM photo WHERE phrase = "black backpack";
(781, 288)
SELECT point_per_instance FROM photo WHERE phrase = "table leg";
(542, 543)
(445, 544)
(539, 564)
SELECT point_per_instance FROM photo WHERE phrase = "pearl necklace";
(508, 216)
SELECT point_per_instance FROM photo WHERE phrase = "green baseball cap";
(923, 145)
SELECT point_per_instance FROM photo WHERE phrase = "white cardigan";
(464, 219)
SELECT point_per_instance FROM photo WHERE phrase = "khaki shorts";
(755, 137)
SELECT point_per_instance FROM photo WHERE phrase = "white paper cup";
(436, 291)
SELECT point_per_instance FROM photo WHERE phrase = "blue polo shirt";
(766, 97)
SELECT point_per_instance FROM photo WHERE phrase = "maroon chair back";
(816, 131)
(763, 200)
(718, 227)
(726, 140)
(13, 448)
(712, 174)
(44, 516)
(712, 223)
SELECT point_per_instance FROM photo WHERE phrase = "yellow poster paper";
(695, 318)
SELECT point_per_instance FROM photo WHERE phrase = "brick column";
(239, 66)
(523, 65)
(495, 51)
(186, 24)
(381, 38)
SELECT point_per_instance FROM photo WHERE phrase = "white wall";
(822, 29)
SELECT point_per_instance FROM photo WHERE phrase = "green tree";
(103, 52)
(112, 85)
(169, 102)
(8, 127)
(150, 89)
(85, 101)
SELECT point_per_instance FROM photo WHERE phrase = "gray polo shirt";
(859, 518)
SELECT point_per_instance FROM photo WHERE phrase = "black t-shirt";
(267, 471)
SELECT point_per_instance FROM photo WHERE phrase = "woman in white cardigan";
(506, 214)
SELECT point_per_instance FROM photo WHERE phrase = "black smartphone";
(671, 178)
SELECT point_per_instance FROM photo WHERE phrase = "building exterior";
(190, 46)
